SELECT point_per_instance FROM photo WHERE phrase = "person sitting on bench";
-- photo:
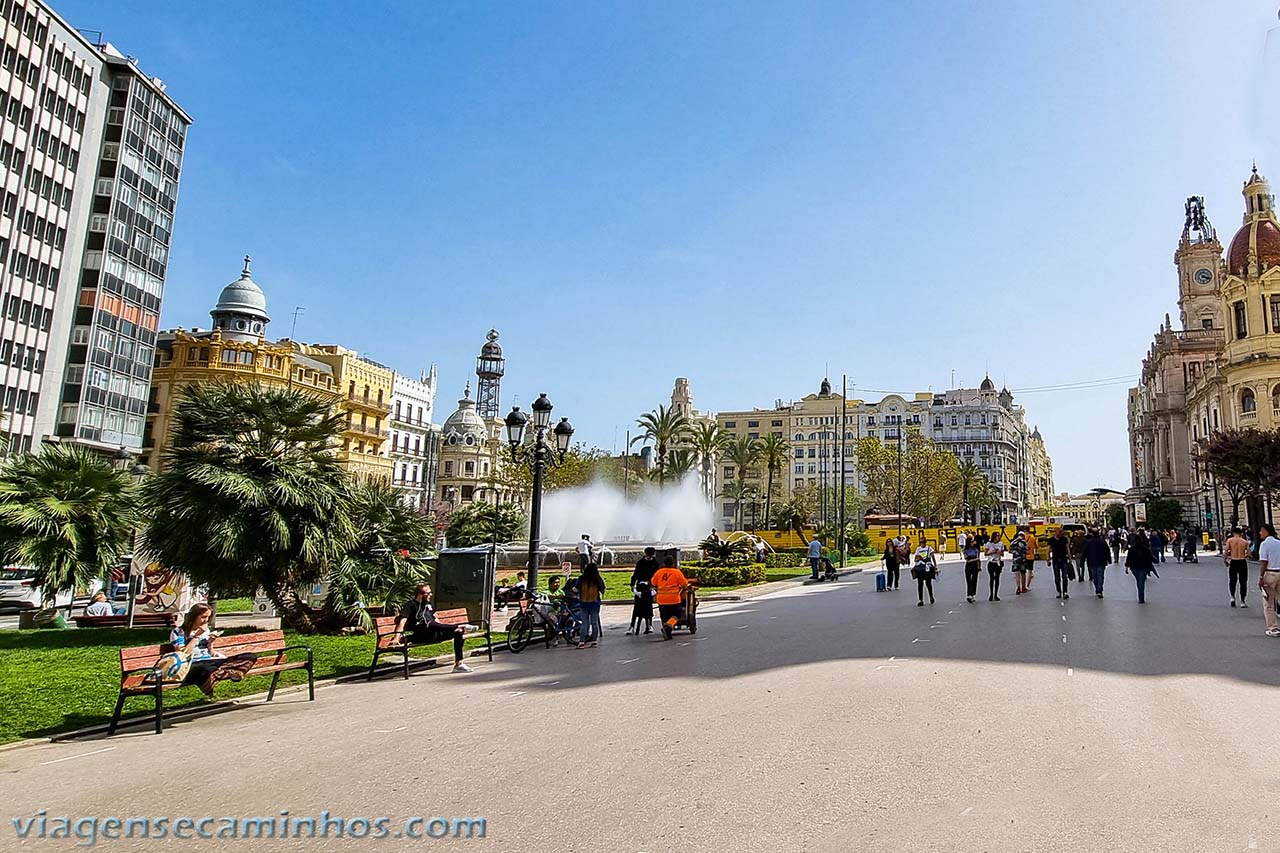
(418, 619)
(99, 606)
(194, 639)
(507, 594)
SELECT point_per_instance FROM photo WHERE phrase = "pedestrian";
(815, 558)
(418, 618)
(962, 539)
(669, 585)
(972, 554)
(942, 545)
(584, 552)
(1058, 550)
(1269, 575)
(1158, 542)
(1032, 546)
(1115, 545)
(1175, 543)
(924, 571)
(642, 590)
(1097, 554)
(1077, 553)
(1018, 550)
(890, 560)
(590, 595)
(995, 564)
(762, 551)
(1139, 563)
(1235, 554)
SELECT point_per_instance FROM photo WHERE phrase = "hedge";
(726, 575)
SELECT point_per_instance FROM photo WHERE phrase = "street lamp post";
(538, 456)
(899, 479)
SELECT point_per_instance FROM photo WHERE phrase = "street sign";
(1140, 513)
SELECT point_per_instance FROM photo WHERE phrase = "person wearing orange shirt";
(669, 584)
(1032, 545)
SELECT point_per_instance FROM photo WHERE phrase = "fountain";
(620, 527)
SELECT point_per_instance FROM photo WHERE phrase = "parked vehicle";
(18, 591)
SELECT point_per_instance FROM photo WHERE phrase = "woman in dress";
(208, 667)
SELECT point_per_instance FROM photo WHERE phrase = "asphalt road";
(825, 717)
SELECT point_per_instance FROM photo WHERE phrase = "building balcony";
(368, 431)
(368, 404)
(1248, 417)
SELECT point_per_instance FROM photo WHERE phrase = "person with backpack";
(924, 571)
(972, 555)
(1097, 554)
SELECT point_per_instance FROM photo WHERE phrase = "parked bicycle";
(555, 620)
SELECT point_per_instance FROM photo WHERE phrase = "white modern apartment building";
(415, 442)
(90, 158)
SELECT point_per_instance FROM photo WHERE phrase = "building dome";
(491, 348)
(464, 426)
(243, 296)
(1258, 239)
(987, 385)
(1035, 433)
(1263, 236)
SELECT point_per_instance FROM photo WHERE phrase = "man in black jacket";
(1097, 555)
(1059, 547)
(418, 619)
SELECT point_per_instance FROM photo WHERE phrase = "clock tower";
(1199, 262)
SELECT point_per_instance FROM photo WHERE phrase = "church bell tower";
(1199, 263)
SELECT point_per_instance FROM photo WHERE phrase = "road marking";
(1064, 617)
(966, 811)
(516, 693)
(550, 683)
(81, 755)
(918, 640)
(740, 627)
(1253, 843)
(886, 666)
(1070, 671)
(389, 731)
(1103, 776)
(632, 660)
(949, 612)
(898, 659)
(1064, 638)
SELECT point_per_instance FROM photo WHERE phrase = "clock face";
(1203, 275)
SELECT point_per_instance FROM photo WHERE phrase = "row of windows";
(417, 444)
(105, 380)
(20, 66)
(63, 65)
(25, 266)
(49, 189)
(468, 468)
(19, 401)
(16, 308)
(46, 143)
(42, 229)
(24, 357)
(25, 21)
(108, 421)
(17, 114)
(406, 413)
(12, 157)
(63, 109)
(408, 474)
(894, 419)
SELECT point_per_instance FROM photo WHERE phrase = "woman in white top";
(924, 570)
(995, 565)
(208, 667)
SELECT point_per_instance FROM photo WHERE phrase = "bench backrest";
(140, 657)
(457, 616)
(384, 625)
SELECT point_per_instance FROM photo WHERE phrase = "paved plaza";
(825, 717)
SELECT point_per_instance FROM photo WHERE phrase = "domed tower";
(489, 369)
(1006, 398)
(241, 312)
(987, 390)
(1198, 260)
(1256, 246)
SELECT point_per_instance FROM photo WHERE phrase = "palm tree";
(972, 481)
(681, 462)
(384, 564)
(252, 495)
(774, 450)
(663, 427)
(744, 452)
(737, 491)
(707, 440)
(66, 513)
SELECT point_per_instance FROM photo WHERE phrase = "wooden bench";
(136, 664)
(385, 627)
(121, 620)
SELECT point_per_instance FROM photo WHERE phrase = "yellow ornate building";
(1221, 370)
(235, 350)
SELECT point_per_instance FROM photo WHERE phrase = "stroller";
(1189, 549)
(828, 571)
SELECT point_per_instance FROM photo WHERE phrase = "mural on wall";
(164, 590)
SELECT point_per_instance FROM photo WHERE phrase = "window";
(1206, 323)
(470, 468)
(753, 424)
(799, 452)
(730, 424)
(1248, 402)
(448, 468)
(1242, 326)
(1275, 313)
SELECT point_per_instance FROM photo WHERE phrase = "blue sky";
(746, 194)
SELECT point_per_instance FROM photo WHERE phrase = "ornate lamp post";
(538, 455)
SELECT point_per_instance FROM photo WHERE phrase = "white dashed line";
(898, 660)
(1064, 638)
(516, 693)
(918, 640)
(1070, 671)
(81, 755)
(740, 627)
(1064, 617)
(630, 660)
(389, 731)
(886, 666)
(966, 811)
(1103, 776)
(550, 683)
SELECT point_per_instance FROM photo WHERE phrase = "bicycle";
(564, 621)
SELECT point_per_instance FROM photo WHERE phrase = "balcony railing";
(367, 402)
(365, 429)
(1248, 417)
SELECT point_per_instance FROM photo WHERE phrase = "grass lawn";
(235, 605)
(55, 681)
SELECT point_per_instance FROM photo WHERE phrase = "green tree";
(580, 466)
(744, 452)
(252, 495)
(878, 466)
(774, 454)
(973, 482)
(797, 511)
(681, 462)
(663, 428)
(1238, 460)
(66, 513)
(1163, 513)
(384, 564)
(1116, 516)
(479, 522)
(707, 440)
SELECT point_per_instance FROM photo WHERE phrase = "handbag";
(173, 666)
